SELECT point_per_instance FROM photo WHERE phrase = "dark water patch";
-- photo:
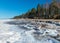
(49, 22)
(18, 22)
(15, 23)
(57, 24)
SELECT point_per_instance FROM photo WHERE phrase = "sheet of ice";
(6, 35)
(15, 34)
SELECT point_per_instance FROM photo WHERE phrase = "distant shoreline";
(57, 20)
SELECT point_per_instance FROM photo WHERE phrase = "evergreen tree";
(38, 10)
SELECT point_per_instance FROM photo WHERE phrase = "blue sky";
(11, 8)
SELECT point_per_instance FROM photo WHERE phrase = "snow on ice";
(22, 31)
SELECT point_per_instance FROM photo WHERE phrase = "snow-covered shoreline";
(22, 31)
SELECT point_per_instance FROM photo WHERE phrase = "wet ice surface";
(22, 31)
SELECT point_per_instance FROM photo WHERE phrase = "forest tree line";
(44, 11)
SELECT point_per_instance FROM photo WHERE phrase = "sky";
(11, 8)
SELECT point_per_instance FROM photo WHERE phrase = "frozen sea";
(23, 31)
